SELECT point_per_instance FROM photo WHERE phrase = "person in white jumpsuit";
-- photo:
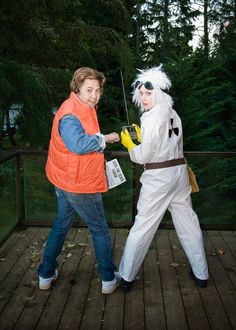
(165, 182)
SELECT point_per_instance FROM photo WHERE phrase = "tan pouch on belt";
(192, 179)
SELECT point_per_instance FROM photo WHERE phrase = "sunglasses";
(148, 85)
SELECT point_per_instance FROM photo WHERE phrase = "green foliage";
(33, 89)
(205, 98)
(42, 51)
(44, 42)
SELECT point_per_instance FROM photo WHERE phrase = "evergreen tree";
(57, 37)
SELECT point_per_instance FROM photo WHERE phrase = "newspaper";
(114, 173)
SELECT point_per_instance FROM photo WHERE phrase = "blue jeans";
(90, 209)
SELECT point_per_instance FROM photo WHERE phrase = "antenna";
(129, 127)
(123, 87)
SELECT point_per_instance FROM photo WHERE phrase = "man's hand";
(126, 140)
(112, 137)
(138, 132)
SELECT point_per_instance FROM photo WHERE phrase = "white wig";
(159, 80)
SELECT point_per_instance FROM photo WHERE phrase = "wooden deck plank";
(134, 317)
(220, 276)
(13, 251)
(210, 296)
(229, 238)
(93, 313)
(163, 296)
(95, 301)
(225, 253)
(134, 307)
(34, 309)
(11, 241)
(14, 267)
(21, 278)
(31, 314)
(173, 303)
(193, 305)
(77, 299)
(52, 310)
(153, 295)
(114, 303)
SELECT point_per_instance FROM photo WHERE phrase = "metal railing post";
(19, 190)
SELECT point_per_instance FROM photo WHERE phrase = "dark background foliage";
(43, 42)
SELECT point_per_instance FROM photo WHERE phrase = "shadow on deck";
(163, 296)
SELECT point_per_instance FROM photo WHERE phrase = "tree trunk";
(9, 130)
(1, 129)
(1, 139)
(137, 38)
(206, 36)
(165, 29)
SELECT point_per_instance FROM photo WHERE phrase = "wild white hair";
(160, 82)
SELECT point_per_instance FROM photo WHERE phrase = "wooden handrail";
(22, 151)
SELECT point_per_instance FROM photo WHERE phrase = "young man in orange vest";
(75, 166)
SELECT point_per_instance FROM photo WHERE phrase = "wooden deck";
(163, 296)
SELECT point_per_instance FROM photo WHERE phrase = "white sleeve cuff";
(102, 141)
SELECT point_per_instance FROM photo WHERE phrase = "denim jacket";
(75, 139)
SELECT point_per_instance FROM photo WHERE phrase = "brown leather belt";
(167, 163)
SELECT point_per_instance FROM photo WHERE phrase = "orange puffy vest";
(70, 171)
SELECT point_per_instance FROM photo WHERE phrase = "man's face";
(90, 92)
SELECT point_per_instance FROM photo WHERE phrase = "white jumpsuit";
(162, 189)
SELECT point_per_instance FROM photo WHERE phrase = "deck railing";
(28, 199)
